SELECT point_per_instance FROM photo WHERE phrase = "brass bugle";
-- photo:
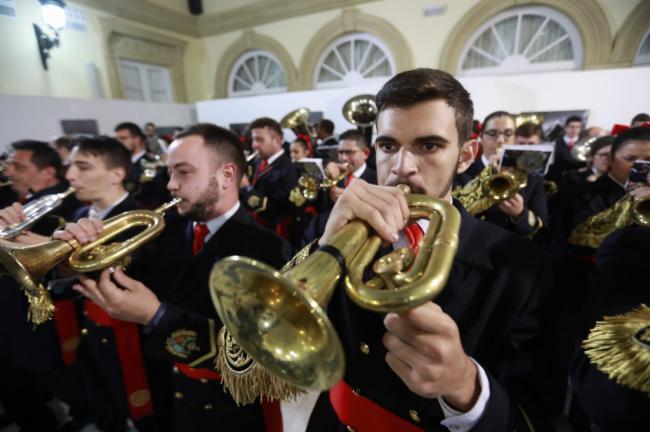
(28, 265)
(33, 211)
(308, 186)
(279, 319)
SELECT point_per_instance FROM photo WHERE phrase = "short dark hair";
(326, 125)
(268, 122)
(65, 142)
(641, 117)
(639, 133)
(222, 141)
(133, 128)
(573, 118)
(110, 150)
(529, 129)
(147, 124)
(43, 155)
(497, 114)
(421, 85)
(599, 143)
(302, 142)
(355, 135)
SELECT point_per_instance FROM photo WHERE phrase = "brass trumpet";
(308, 187)
(360, 110)
(279, 319)
(489, 188)
(298, 121)
(29, 264)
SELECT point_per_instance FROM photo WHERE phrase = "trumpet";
(279, 318)
(34, 211)
(489, 188)
(308, 187)
(29, 264)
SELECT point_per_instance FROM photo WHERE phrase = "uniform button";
(414, 416)
(84, 332)
(178, 395)
(207, 406)
(350, 429)
(365, 349)
(104, 340)
(356, 391)
(204, 380)
(175, 369)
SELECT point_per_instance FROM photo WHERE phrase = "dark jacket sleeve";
(535, 215)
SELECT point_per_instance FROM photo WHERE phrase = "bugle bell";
(279, 319)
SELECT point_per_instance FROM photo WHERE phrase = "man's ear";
(49, 172)
(118, 175)
(468, 152)
(229, 175)
(366, 151)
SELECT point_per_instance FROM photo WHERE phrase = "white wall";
(37, 117)
(611, 95)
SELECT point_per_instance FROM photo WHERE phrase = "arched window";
(527, 39)
(256, 72)
(353, 59)
(643, 54)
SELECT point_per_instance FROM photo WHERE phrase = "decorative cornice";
(242, 18)
(266, 12)
(146, 13)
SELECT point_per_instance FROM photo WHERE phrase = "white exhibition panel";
(610, 95)
(37, 117)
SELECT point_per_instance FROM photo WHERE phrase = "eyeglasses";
(493, 133)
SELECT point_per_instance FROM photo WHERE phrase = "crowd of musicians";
(498, 350)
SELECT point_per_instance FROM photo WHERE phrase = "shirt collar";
(101, 214)
(623, 185)
(402, 241)
(135, 157)
(359, 171)
(215, 224)
(485, 160)
(274, 157)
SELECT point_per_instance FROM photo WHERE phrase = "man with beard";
(206, 165)
(459, 362)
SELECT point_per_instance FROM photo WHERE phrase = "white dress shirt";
(215, 224)
(94, 212)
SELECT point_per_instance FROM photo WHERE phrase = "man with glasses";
(353, 154)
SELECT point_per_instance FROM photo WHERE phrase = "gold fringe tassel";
(41, 308)
(620, 347)
(254, 382)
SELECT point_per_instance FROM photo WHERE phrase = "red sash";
(127, 341)
(67, 329)
(362, 414)
(270, 410)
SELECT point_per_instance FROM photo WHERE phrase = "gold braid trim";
(620, 347)
(245, 379)
(41, 308)
(593, 231)
(299, 257)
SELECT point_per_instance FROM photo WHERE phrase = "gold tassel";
(471, 196)
(41, 308)
(620, 347)
(245, 379)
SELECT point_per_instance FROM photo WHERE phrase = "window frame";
(241, 60)
(144, 79)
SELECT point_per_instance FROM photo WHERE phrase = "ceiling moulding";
(271, 11)
(146, 13)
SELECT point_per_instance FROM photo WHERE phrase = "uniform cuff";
(457, 421)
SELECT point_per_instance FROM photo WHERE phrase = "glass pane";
(242, 75)
(645, 46)
(275, 76)
(380, 70)
(376, 55)
(263, 63)
(250, 65)
(344, 51)
(474, 60)
(157, 79)
(160, 96)
(488, 43)
(560, 52)
(360, 47)
(131, 77)
(332, 62)
(507, 31)
(552, 32)
(325, 75)
(529, 26)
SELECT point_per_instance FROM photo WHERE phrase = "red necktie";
(260, 169)
(570, 144)
(349, 179)
(200, 232)
(414, 235)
